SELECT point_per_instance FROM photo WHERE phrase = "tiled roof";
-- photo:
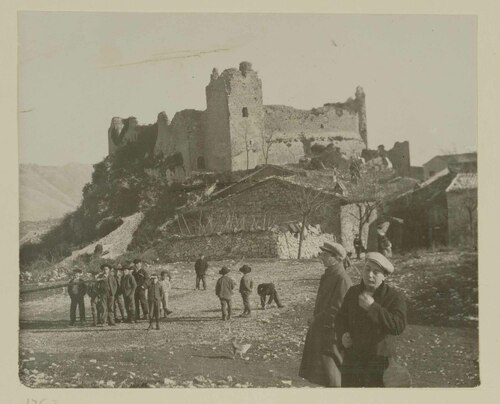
(463, 181)
(456, 158)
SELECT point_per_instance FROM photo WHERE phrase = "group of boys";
(225, 286)
(123, 289)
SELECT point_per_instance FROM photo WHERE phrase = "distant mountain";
(48, 192)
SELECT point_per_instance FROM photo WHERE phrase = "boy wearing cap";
(155, 296)
(372, 313)
(224, 291)
(76, 291)
(246, 288)
(322, 359)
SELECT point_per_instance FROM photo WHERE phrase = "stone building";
(441, 211)
(465, 162)
(238, 132)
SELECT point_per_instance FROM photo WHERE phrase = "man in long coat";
(371, 315)
(129, 286)
(142, 279)
(110, 285)
(321, 359)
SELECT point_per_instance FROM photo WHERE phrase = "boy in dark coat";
(246, 288)
(101, 301)
(268, 289)
(110, 291)
(155, 297)
(142, 279)
(321, 359)
(224, 291)
(372, 313)
(119, 303)
(128, 286)
(76, 291)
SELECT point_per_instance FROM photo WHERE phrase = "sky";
(78, 70)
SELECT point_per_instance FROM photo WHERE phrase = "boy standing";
(119, 304)
(246, 288)
(165, 284)
(155, 296)
(128, 286)
(224, 291)
(76, 291)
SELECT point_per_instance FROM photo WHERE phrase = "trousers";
(141, 302)
(363, 371)
(226, 308)
(129, 302)
(246, 303)
(272, 296)
(119, 306)
(202, 279)
(77, 301)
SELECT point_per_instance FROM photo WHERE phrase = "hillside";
(48, 192)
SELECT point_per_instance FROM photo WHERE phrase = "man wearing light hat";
(321, 359)
(372, 313)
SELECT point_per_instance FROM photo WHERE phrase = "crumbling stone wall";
(217, 135)
(256, 244)
(233, 131)
(288, 243)
(399, 156)
(217, 247)
(187, 129)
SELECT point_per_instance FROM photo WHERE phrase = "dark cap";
(245, 269)
(104, 266)
(335, 249)
(224, 270)
(137, 260)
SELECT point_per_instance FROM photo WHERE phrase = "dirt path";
(192, 347)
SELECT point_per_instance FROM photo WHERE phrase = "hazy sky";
(78, 70)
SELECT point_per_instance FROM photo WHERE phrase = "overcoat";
(372, 332)
(129, 285)
(320, 339)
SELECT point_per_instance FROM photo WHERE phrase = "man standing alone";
(200, 267)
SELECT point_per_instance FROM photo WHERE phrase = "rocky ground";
(192, 349)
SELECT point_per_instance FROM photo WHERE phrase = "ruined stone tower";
(234, 119)
(238, 132)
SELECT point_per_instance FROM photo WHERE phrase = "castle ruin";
(238, 132)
